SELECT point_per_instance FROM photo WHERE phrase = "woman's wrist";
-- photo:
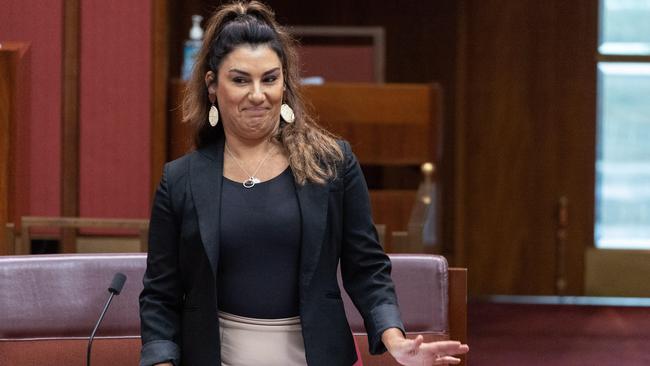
(392, 336)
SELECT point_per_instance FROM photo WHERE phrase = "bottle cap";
(196, 32)
(428, 168)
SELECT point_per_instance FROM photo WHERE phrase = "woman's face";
(249, 91)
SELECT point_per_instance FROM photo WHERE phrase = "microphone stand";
(114, 289)
(92, 335)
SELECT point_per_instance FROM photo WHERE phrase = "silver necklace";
(252, 180)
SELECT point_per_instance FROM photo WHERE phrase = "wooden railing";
(139, 226)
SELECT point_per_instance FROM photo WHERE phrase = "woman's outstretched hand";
(417, 352)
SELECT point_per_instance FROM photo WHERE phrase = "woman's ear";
(211, 84)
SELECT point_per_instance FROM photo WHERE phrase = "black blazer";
(178, 306)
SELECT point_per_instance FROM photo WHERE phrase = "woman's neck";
(248, 149)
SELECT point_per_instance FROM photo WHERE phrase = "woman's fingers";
(418, 341)
(443, 351)
(447, 360)
(445, 348)
(414, 345)
(416, 351)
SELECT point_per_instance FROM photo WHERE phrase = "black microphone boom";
(114, 289)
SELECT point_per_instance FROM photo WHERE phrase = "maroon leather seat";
(421, 282)
(50, 303)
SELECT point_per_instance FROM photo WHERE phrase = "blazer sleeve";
(365, 268)
(161, 298)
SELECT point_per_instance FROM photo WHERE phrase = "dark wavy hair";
(313, 152)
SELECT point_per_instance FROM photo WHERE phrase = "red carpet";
(558, 335)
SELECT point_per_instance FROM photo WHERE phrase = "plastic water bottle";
(423, 223)
(191, 47)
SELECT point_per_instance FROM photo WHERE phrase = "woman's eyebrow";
(275, 69)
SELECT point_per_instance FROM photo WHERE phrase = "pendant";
(251, 182)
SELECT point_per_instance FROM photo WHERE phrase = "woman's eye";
(271, 79)
(239, 80)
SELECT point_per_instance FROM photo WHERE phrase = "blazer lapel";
(206, 176)
(313, 201)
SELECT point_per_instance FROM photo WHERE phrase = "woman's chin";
(258, 128)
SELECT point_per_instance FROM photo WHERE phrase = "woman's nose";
(256, 95)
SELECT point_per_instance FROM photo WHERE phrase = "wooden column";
(14, 147)
(159, 87)
(70, 119)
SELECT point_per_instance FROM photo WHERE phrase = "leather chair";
(432, 299)
(50, 303)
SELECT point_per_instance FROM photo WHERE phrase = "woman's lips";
(256, 111)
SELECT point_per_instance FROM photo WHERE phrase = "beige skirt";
(261, 342)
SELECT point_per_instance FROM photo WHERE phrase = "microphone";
(115, 288)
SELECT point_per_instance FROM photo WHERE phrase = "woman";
(247, 231)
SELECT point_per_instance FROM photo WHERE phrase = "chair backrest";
(50, 303)
(421, 286)
(429, 306)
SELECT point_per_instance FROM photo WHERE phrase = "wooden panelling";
(15, 67)
(6, 156)
(339, 53)
(115, 109)
(40, 26)
(391, 124)
(159, 82)
(527, 132)
(70, 119)
(458, 306)
(616, 272)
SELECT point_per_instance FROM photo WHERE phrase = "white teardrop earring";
(287, 113)
(213, 116)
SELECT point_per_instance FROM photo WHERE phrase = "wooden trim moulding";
(159, 87)
(458, 209)
(377, 34)
(70, 118)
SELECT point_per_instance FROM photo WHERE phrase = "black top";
(259, 253)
